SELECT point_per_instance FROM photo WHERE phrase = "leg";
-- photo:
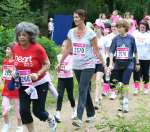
(25, 112)
(126, 78)
(69, 88)
(39, 104)
(136, 78)
(145, 64)
(16, 109)
(113, 85)
(5, 108)
(89, 105)
(83, 77)
(60, 89)
(99, 81)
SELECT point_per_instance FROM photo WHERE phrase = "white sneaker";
(53, 124)
(6, 128)
(57, 117)
(19, 129)
(74, 113)
(113, 95)
(146, 91)
(91, 119)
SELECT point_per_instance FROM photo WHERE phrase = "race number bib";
(79, 49)
(25, 77)
(7, 71)
(63, 66)
(122, 53)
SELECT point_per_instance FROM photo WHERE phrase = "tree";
(15, 11)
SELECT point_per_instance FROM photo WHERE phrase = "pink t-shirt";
(114, 18)
(65, 67)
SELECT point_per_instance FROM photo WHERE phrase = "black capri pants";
(38, 105)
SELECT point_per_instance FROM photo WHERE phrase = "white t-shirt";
(50, 26)
(108, 39)
(102, 48)
(83, 56)
(143, 45)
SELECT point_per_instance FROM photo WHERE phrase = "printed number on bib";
(63, 65)
(25, 77)
(7, 72)
(79, 49)
(122, 53)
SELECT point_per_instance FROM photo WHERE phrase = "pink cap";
(147, 17)
(99, 24)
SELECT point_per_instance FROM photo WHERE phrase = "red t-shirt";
(31, 58)
(8, 67)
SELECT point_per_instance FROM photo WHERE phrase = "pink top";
(65, 67)
(114, 18)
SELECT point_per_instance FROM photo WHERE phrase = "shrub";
(7, 35)
(51, 49)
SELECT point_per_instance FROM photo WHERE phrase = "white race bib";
(7, 71)
(79, 49)
(122, 53)
(25, 77)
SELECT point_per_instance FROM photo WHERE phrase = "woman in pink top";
(115, 16)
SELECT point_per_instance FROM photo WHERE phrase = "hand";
(137, 67)
(34, 76)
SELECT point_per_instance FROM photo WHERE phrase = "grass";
(136, 121)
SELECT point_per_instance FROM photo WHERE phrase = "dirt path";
(108, 109)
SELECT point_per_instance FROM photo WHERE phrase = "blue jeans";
(84, 83)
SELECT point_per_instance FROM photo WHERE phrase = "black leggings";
(143, 72)
(62, 84)
(37, 104)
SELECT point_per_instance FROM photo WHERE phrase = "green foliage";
(137, 7)
(6, 36)
(139, 123)
(15, 11)
(51, 49)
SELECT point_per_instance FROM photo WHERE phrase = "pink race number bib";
(25, 77)
(79, 49)
(122, 53)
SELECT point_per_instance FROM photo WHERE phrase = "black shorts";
(99, 68)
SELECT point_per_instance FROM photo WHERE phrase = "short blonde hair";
(123, 23)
